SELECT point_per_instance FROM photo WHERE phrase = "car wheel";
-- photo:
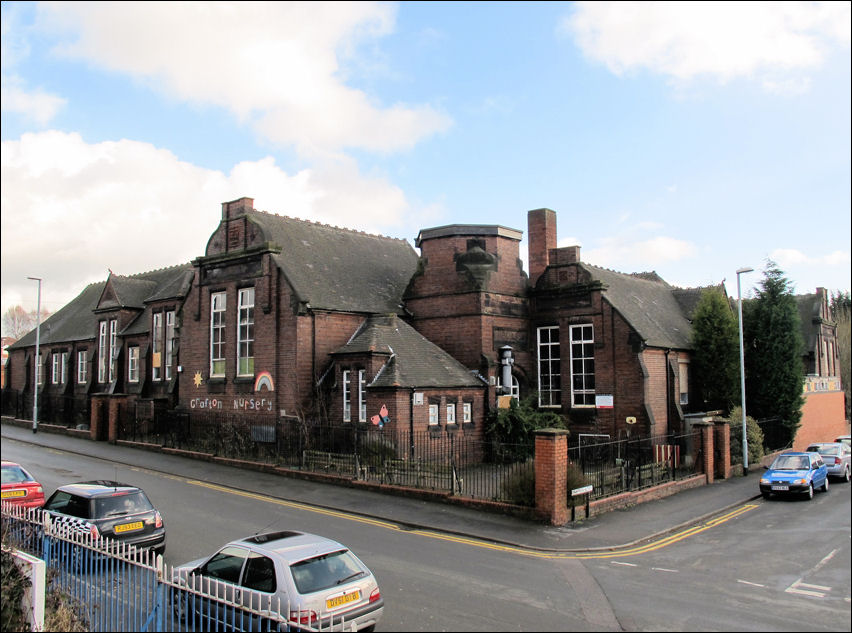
(846, 475)
(810, 492)
(825, 484)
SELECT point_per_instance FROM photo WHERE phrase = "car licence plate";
(346, 598)
(12, 494)
(780, 487)
(128, 527)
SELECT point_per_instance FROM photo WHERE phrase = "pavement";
(612, 530)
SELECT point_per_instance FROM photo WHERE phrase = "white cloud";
(625, 253)
(67, 206)
(790, 257)
(722, 39)
(36, 106)
(278, 65)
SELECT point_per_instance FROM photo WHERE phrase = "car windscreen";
(323, 572)
(122, 504)
(791, 462)
(15, 475)
(828, 449)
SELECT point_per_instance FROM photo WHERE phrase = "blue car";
(795, 473)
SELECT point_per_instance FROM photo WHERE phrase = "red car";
(20, 488)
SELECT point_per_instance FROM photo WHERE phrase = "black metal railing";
(613, 467)
(458, 462)
(60, 409)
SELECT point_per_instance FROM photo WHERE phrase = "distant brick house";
(283, 317)
(824, 410)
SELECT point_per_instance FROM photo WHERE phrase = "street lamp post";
(742, 369)
(38, 342)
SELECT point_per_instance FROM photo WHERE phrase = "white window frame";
(515, 390)
(170, 342)
(133, 364)
(102, 352)
(55, 362)
(82, 368)
(451, 413)
(157, 346)
(113, 342)
(582, 394)
(245, 332)
(347, 395)
(434, 411)
(467, 412)
(218, 312)
(40, 370)
(362, 395)
(549, 381)
(63, 368)
(683, 381)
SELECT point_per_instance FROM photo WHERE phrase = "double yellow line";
(475, 542)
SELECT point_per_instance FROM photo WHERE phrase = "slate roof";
(75, 321)
(72, 322)
(657, 311)
(333, 268)
(413, 361)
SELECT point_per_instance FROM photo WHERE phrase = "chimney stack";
(541, 228)
(236, 207)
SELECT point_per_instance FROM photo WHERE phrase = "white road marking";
(615, 562)
(753, 584)
(671, 571)
(796, 588)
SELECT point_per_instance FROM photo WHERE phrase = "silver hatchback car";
(837, 457)
(311, 581)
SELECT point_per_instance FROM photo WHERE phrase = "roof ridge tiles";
(329, 226)
(157, 270)
(646, 275)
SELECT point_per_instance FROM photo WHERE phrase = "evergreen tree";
(773, 355)
(716, 352)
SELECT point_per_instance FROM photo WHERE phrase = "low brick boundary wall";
(627, 499)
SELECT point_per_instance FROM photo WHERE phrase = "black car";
(110, 509)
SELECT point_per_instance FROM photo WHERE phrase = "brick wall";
(823, 419)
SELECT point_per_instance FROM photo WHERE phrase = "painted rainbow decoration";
(264, 379)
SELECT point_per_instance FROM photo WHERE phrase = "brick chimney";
(236, 207)
(565, 255)
(541, 229)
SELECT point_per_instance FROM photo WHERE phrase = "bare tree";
(17, 321)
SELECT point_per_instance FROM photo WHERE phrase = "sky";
(691, 139)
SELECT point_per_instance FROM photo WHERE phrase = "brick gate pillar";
(551, 475)
(707, 450)
(96, 417)
(722, 445)
(114, 406)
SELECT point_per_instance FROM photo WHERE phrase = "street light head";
(744, 270)
(35, 278)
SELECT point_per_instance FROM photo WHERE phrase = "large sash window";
(549, 375)
(582, 365)
(217, 334)
(245, 333)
